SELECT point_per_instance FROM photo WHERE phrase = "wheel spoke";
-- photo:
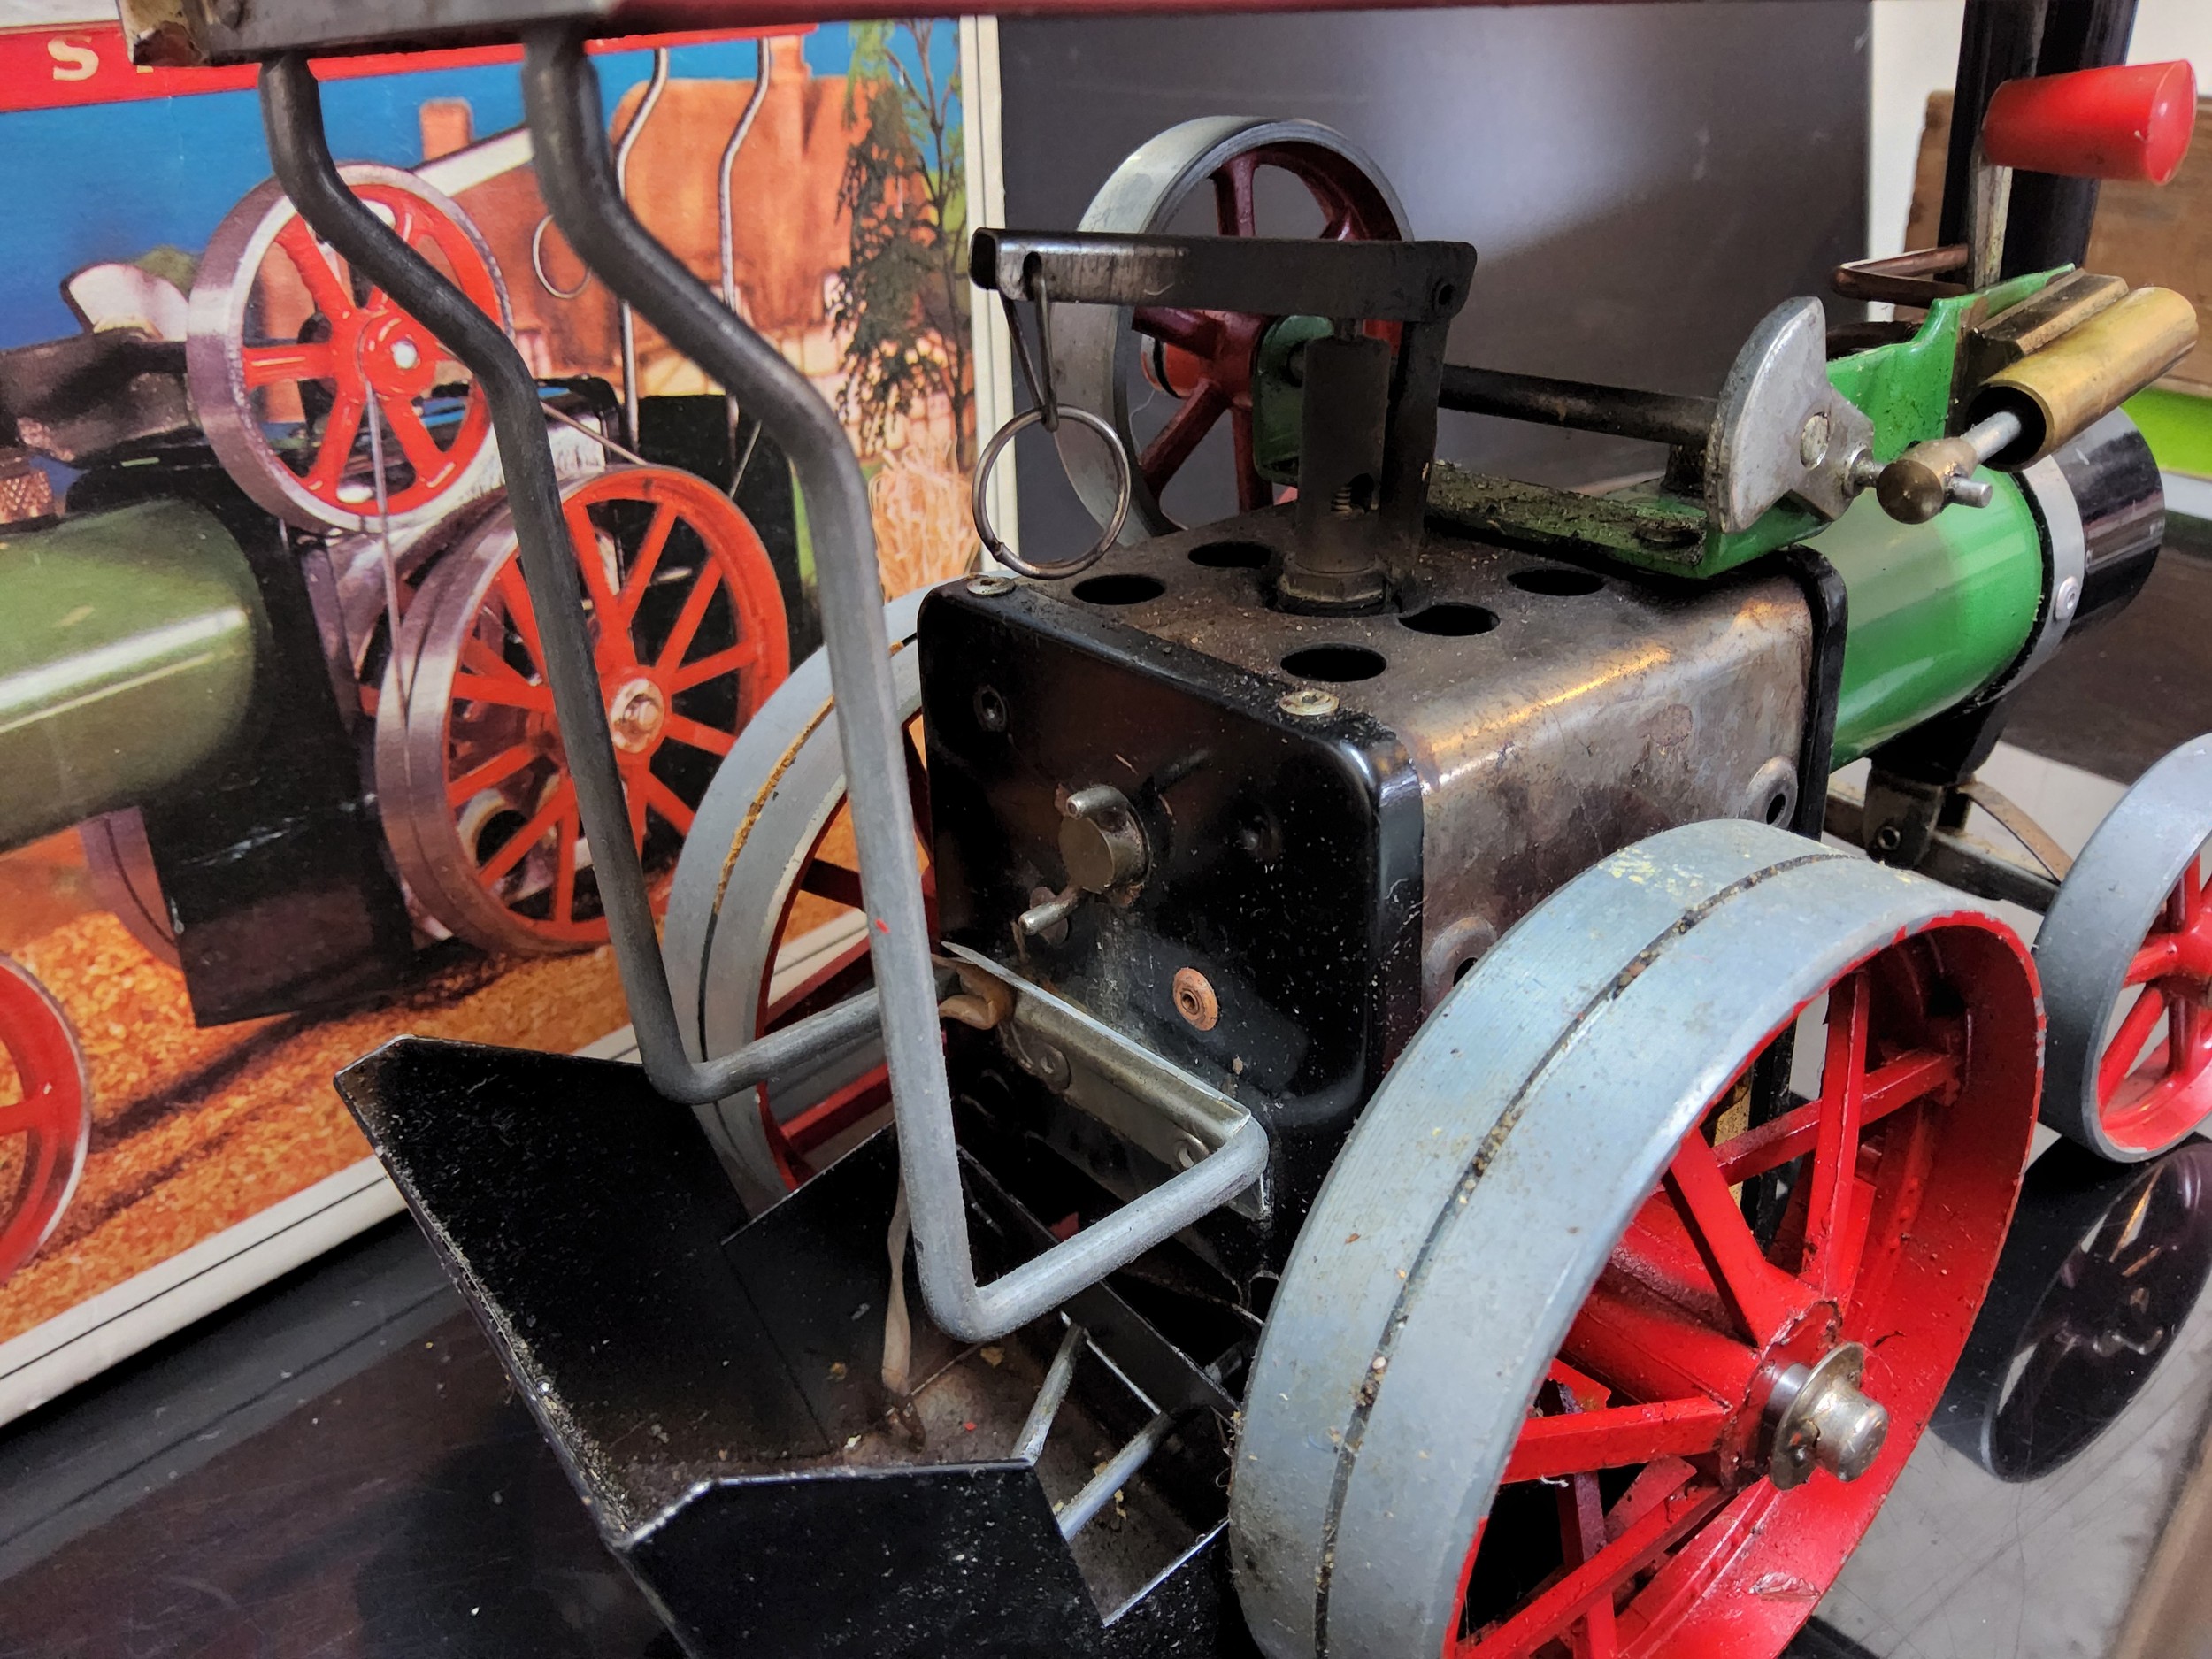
(586, 536)
(698, 734)
(1166, 453)
(2160, 955)
(502, 766)
(341, 428)
(2185, 1053)
(512, 589)
(703, 586)
(569, 831)
(1198, 333)
(642, 568)
(1233, 211)
(280, 366)
(26, 1115)
(1252, 491)
(712, 667)
(668, 804)
(832, 881)
(2127, 1047)
(1547, 1615)
(518, 846)
(1898, 1083)
(837, 1112)
(331, 295)
(415, 441)
(1761, 1296)
(1614, 1437)
(1830, 1254)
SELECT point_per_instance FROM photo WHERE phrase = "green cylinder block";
(1936, 610)
(127, 643)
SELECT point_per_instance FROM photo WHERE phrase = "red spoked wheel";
(45, 1114)
(690, 636)
(1679, 1498)
(1533, 1382)
(2154, 1076)
(2125, 953)
(764, 924)
(306, 376)
(1204, 361)
(799, 1120)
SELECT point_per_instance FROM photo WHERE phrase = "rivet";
(1310, 703)
(990, 586)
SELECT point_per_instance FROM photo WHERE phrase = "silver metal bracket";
(1166, 1113)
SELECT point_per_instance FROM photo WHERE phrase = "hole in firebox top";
(1558, 580)
(1454, 621)
(1335, 663)
(1231, 555)
(1119, 590)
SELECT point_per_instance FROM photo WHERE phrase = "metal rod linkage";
(1655, 417)
(1099, 1490)
(1037, 1426)
(292, 115)
(568, 130)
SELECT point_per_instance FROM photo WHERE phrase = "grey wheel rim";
(1094, 348)
(2104, 910)
(779, 786)
(222, 294)
(1470, 1213)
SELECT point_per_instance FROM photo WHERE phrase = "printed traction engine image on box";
(280, 775)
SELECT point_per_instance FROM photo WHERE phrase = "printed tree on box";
(902, 303)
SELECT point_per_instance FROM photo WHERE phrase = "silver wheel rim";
(768, 804)
(1576, 1056)
(222, 296)
(1094, 348)
(2104, 910)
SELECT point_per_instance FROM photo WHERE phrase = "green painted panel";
(127, 643)
(1936, 610)
(2178, 428)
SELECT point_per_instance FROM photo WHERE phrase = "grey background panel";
(1641, 182)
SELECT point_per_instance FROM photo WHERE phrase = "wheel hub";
(637, 713)
(1822, 1420)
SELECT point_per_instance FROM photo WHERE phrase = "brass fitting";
(2088, 372)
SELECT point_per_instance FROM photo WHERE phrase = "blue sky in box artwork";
(111, 181)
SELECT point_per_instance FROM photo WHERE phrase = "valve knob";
(2131, 122)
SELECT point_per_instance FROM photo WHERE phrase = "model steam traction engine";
(271, 651)
(1406, 1139)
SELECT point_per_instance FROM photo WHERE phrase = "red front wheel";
(1559, 1366)
(45, 1114)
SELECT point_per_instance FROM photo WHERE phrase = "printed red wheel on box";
(45, 1114)
(305, 376)
(690, 636)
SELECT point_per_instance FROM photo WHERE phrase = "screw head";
(990, 586)
(1888, 839)
(2067, 600)
(1309, 703)
(1195, 1000)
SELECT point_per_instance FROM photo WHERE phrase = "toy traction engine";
(272, 655)
(1359, 1116)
